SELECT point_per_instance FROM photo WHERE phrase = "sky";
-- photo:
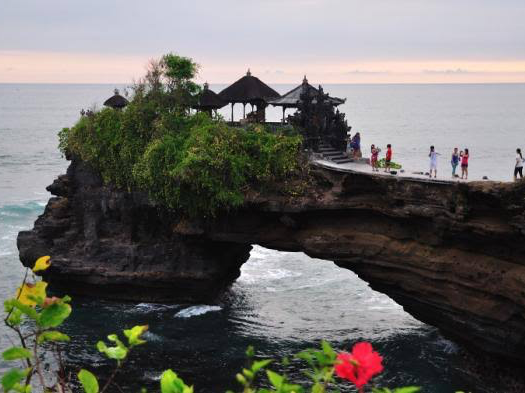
(331, 41)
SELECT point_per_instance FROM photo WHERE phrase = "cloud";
(367, 72)
(448, 71)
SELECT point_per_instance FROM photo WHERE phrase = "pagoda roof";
(116, 101)
(248, 89)
(293, 97)
(208, 99)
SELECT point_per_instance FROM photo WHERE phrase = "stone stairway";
(337, 156)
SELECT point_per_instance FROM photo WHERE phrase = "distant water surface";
(283, 302)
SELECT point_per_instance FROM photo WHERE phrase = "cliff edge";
(452, 254)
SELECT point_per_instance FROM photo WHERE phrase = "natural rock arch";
(450, 253)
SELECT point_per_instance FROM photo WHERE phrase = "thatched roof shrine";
(117, 101)
(293, 97)
(248, 89)
(209, 100)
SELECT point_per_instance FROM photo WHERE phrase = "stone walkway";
(362, 166)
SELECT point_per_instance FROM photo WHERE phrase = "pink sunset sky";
(331, 41)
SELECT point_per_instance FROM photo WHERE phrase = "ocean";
(283, 302)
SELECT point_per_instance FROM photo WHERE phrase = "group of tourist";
(353, 146)
(354, 151)
(462, 158)
(457, 158)
(374, 155)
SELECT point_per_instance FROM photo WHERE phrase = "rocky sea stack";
(450, 253)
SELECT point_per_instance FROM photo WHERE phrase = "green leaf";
(116, 353)
(24, 309)
(13, 377)
(16, 353)
(250, 352)
(260, 364)
(407, 389)
(54, 315)
(52, 335)
(318, 388)
(89, 381)
(134, 334)
(15, 317)
(327, 349)
(171, 383)
(241, 379)
(276, 379)
(22, 388)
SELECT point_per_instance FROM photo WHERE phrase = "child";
(433, 161)
(388, 157)
(374, 152)
(454, 162)
(464, 163)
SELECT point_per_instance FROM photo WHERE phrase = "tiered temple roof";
(293, 97)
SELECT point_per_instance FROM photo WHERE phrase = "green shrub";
(186, 162)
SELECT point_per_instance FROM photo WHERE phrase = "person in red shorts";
(388, 158)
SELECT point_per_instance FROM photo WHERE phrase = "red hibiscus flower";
(359, 366)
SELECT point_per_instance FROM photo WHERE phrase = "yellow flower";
(42, 263)
(28, 294)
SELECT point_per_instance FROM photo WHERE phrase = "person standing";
(454, 162)
(374, 153)
(433, 161)
(349, 146)
(356, 145)
(464, 163)
(518, 168)
(388, 157)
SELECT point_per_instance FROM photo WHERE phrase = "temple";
(208, 101)
(249, 90)
(323, 127)
(293, 99)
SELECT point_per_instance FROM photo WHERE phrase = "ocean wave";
(446, 346)
(196, 310)
(23, 209)
(150, 307)
(252, 276)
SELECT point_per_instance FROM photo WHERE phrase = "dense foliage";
(188, 162)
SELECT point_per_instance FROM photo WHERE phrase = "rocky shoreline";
(450, 253)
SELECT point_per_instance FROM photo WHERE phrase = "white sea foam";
(196, 310)
(148, 307)
(148, 336)
(447, 346)
(252, 276)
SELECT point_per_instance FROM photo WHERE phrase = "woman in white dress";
(433, 161)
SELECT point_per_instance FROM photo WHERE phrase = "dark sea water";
(283, 302)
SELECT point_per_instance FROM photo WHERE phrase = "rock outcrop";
(452, 254)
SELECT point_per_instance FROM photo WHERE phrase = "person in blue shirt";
(454, 161)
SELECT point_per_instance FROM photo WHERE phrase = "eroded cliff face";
(452, 254)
